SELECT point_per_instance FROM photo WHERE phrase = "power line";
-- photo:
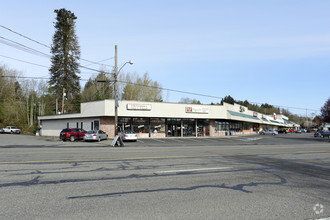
(161, 88)
(49, 47)
(24, 36)
(23, 61)
(22, 47)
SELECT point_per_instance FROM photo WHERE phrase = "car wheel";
(72, 138)
(99, 139)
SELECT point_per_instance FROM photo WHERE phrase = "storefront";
(160, 120)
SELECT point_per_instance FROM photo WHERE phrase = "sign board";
(200, 110)
(117, 141)
(141, 107)
(255, 114)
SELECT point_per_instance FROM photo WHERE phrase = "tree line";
(22, 100)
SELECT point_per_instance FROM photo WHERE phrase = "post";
(63, 100)
(56, 106)
(116, 96)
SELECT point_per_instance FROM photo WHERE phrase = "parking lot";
(12, 140)
(235, 177)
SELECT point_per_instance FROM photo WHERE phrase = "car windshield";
(129, 132)
(91, 132)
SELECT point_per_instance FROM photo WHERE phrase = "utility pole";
(116, 95)
(56, 106)
(63, 100)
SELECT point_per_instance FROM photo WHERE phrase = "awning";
(265, 120)
(275, 121)
(288, 121)
(242, 115)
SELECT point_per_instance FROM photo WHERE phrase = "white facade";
(102, 113)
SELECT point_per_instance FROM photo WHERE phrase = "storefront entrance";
(173, 127)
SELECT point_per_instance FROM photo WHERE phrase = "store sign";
(241, 109)
(255, 114)
(141, 107)
(274, 115)
(200, 110)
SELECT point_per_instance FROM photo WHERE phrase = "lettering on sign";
(255, 114)
(141, 107)
(200, 110)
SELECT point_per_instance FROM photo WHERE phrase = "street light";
(116, 86)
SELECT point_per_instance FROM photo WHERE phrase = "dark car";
(326, 134)
(282, 131)
(72, 134)
(321, 133)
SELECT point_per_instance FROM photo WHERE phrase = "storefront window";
(157, 125)
(203, 127)
(235, 126)
(174, 127)
(246, 126)
(189, 129)
(124, 124)
(140, 125)
(221, 126)
(255, 127)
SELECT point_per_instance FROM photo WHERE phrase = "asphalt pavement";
(246, 177)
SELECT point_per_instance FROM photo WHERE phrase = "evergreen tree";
(94, 90)
(65, 56)
(325, 111)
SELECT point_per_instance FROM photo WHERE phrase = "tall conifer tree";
(65, 61)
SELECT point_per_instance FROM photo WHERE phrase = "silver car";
(272, 132)
(129, 136)
(97, 135)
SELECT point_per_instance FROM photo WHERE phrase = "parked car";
(129, 136)
(326, 134)
(11, 130)
(97, 135)
(272, 132)
(298, 131)
(1, 131)
(72, 134)
(318, 133)
(291, 131)
(322, 133)
(282, 131)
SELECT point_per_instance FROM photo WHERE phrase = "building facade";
(160, 119)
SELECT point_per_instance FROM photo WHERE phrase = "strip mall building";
(160, 119)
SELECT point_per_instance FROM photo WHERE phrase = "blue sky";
(263, 51)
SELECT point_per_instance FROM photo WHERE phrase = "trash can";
(37, 132)
(230, 133)
(226, 133)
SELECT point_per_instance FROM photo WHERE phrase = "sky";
(274, 51)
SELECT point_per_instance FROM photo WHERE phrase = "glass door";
(174, 127)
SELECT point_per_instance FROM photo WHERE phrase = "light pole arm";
(130, 62)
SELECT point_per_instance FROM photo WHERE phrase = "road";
(251, 177)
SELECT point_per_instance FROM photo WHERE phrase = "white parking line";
(194, 140)
(159, 140)
(140, 141)
(176, 140)
(212, 140)
(192, 170)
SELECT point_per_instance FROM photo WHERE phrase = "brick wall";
(107, 124)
